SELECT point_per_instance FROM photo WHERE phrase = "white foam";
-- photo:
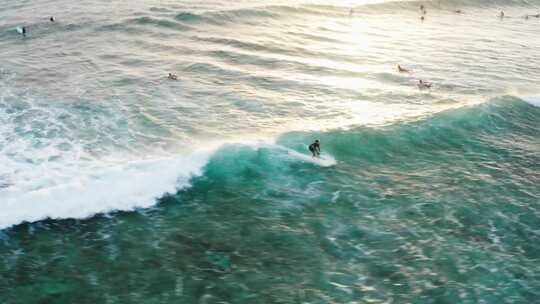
(81, 189)
(533, 100)
(93, 189)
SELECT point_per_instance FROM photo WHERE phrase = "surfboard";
(325, 160)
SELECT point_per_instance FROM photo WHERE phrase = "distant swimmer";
(22, 30)
(423, 84)
(458, 11)
(52, 19)
(315, 148)
(351, 12)
(501, 15)
(172, 76)
(422, 7)
(422, 18)
(402, 70)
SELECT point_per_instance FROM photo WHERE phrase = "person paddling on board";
(402, 69)
(423, 84)
(315, 148)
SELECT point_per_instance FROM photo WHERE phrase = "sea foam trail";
(100, 189)
(90, 189)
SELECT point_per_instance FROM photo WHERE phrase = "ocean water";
(120, 186)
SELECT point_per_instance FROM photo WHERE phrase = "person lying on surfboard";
(424, 84)
(402, 69)
(315, 148)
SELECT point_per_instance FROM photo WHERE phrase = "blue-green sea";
(118, 185)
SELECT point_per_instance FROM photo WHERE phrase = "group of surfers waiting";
(315, 147)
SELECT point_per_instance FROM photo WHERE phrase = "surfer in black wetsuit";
(315, 148)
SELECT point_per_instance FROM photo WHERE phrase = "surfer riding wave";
(315, 148)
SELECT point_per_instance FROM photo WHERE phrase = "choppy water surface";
(120, 186)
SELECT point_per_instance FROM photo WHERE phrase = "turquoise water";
(119, 186)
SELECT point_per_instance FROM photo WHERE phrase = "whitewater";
(423, 196)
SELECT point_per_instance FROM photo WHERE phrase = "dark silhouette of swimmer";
(501, 15)
(315, 148)
(52, 19)
(423, 84)
(422, 18)
(172, 76)
(402, 70)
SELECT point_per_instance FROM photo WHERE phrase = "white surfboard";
(325, 160)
